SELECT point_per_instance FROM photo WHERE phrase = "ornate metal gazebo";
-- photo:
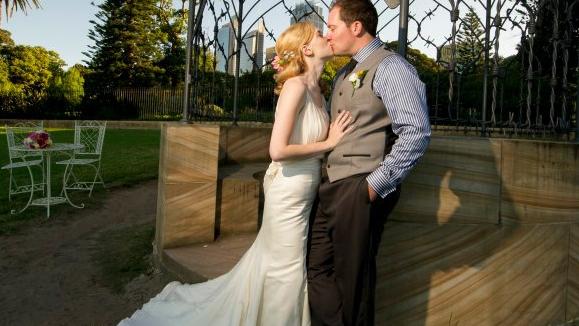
(529, 93)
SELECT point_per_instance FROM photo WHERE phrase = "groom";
(361, 183)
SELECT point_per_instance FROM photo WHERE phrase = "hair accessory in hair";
(278, 62)
(275, 64)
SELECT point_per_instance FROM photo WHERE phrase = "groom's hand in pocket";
(372, 194)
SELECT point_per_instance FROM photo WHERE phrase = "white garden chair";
(18, 159)
(91, 135)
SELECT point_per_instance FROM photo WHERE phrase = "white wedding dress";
(268, 285)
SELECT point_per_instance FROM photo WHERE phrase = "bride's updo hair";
(289, 49)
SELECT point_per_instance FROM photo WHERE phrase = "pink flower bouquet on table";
(37, 139)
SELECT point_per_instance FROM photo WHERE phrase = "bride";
(268, 284)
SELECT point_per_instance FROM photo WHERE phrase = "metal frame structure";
(492, 113)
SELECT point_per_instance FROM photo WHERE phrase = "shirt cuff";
(377, 180)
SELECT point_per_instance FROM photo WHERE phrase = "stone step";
(240, 198)
(200, 262)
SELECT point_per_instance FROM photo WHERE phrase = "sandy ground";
(47, 275)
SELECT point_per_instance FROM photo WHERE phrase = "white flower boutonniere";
(356, 79)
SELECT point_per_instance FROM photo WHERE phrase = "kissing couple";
(334, 178)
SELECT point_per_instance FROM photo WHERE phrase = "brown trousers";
(345, 232)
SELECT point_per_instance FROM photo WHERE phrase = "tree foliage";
(5, 84)
(32, 69)
(27, 73)
(5, 42)
(126, 49)
(69, 86)
(9, 6)
(470, 44)
(332, 66)
(423, 63)
(5, 38)
(173, 23)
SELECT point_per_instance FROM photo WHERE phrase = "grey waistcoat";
(365, 147)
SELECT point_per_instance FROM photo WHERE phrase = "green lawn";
(129, 156)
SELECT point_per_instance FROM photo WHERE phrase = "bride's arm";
(290, 101)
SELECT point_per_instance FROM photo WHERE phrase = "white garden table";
(49, 199)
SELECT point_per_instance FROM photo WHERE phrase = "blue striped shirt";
(404, 96)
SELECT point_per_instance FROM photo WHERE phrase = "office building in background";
(251, 49)
(308, 10)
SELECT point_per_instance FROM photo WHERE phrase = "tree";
(470, 44)
(5, 38)
(72, 87)
(32, 69)
(331, 68)
(11, 96)
(127, 38)
(83, 70)
(173, 23)
(329, 73)
(5, 83)
(13, 5)
(424, 65)
(206, 60)
(26, 74)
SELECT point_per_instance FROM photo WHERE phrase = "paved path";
(48, 272)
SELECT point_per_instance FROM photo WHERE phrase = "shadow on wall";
(475, 240)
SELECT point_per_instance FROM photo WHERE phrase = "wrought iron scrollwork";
(491, 93)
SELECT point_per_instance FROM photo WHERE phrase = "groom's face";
(339, 34)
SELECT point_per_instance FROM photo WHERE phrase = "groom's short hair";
(358, 10)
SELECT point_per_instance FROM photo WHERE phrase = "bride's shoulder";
(292, 96)
(294, 85)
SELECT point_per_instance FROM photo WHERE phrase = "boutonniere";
(356, 79)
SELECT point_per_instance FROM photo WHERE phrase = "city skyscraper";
(226, 40)
(252, 47)
(251, 57)
(308, 10)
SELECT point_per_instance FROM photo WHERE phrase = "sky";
(63, 25)
(60, 25)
